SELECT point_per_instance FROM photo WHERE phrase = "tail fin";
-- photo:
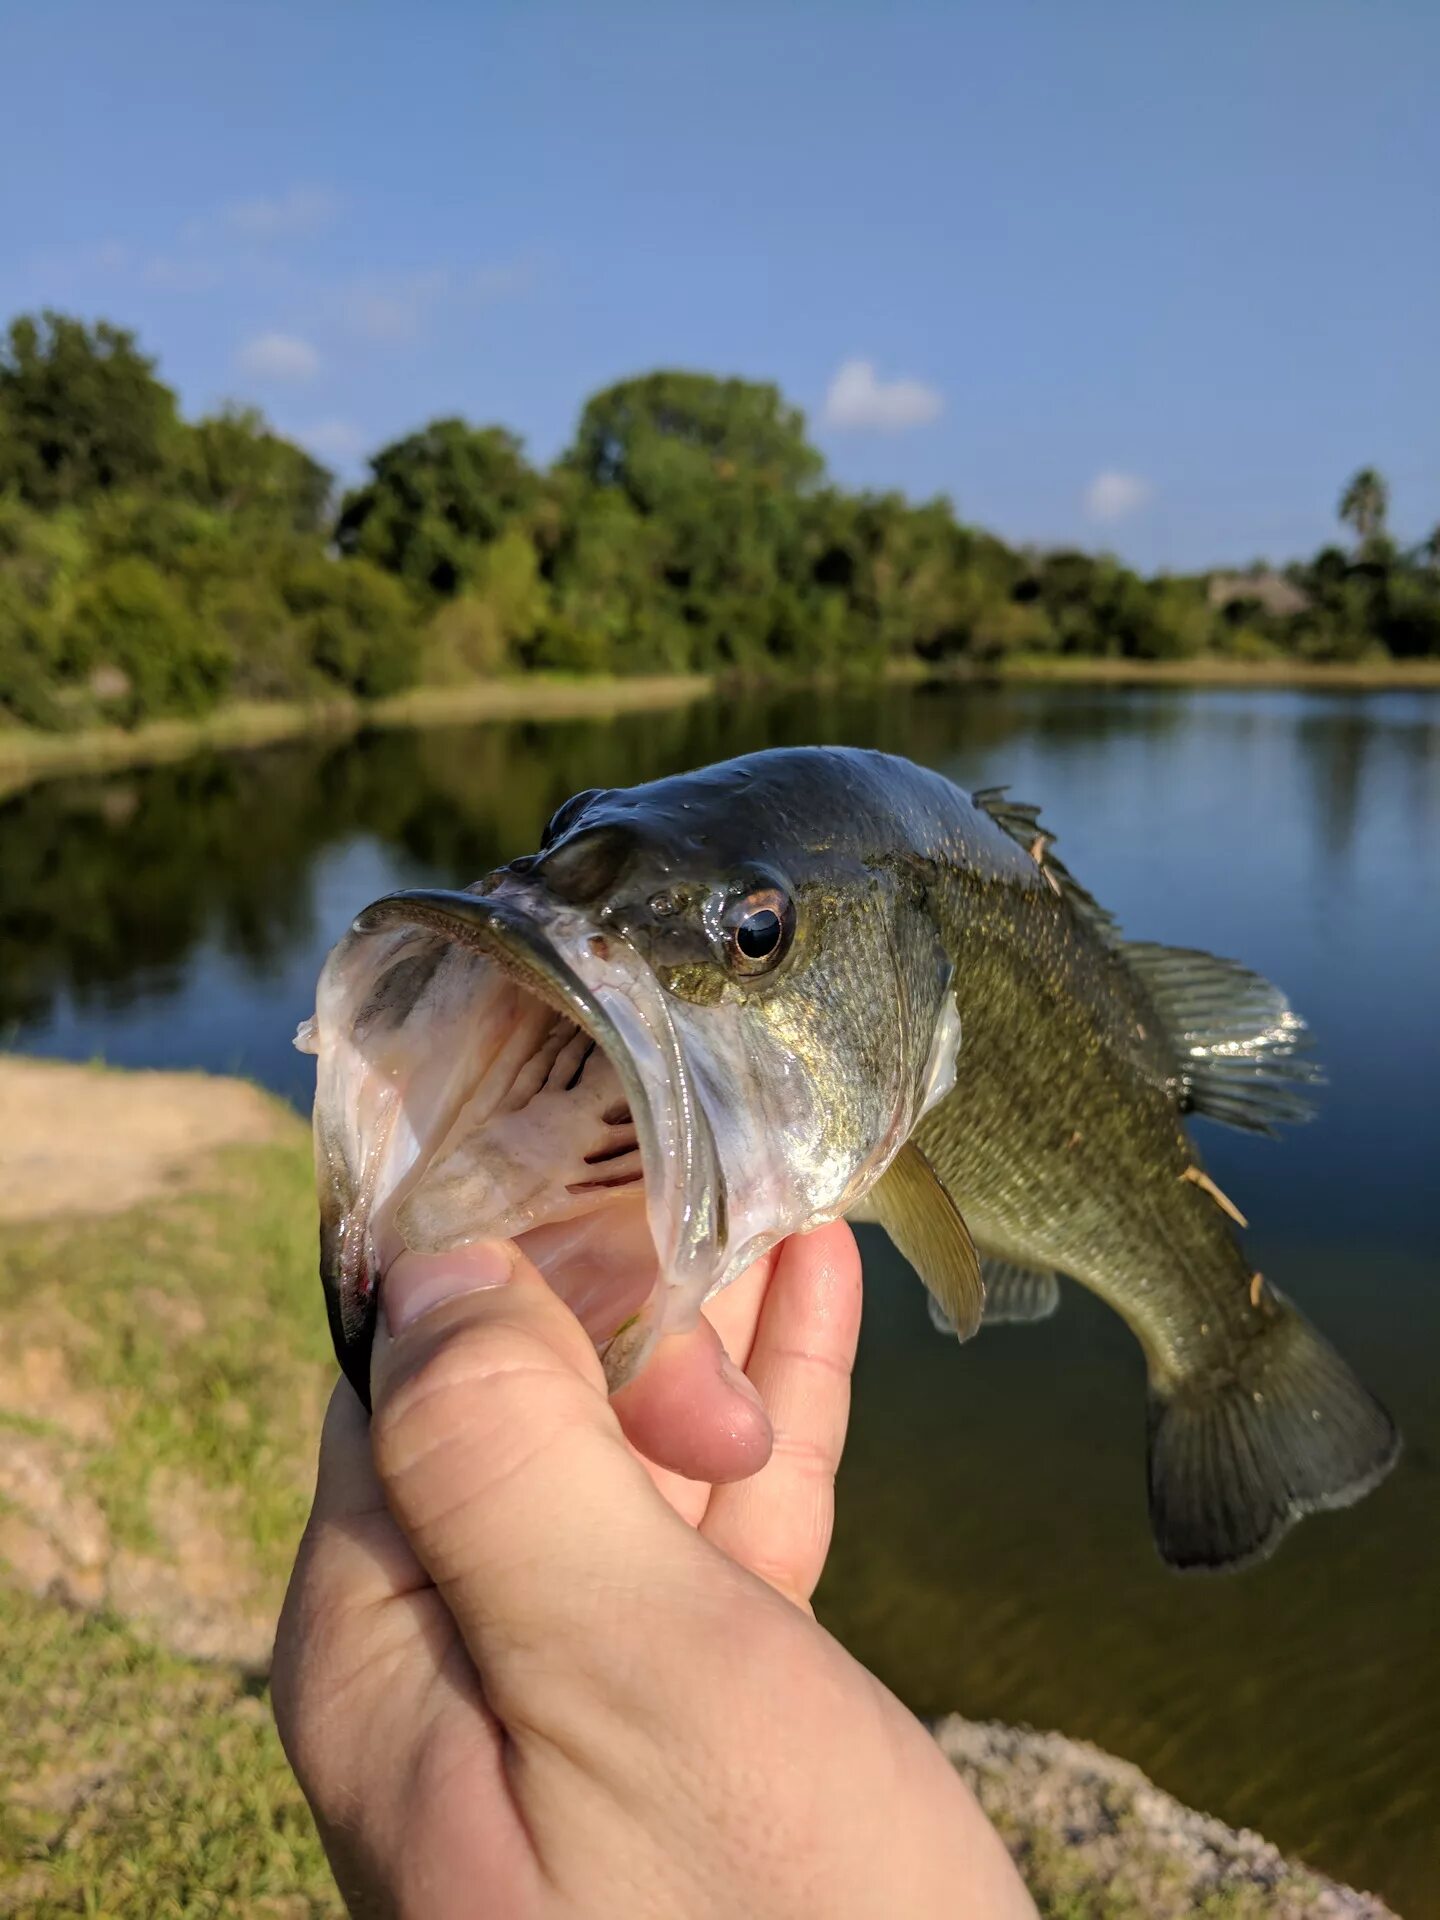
(1234, 1463)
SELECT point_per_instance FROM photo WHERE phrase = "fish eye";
(759, 929)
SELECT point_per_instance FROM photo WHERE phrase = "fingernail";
(740, 1381)
(417, 1283)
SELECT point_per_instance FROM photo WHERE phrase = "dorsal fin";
(1022, 822)
(1241, 1054)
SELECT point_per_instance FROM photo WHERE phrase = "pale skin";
(527, 1671)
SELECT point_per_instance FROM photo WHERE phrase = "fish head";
(686, 1027)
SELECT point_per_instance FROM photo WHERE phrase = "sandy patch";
(81, 1140)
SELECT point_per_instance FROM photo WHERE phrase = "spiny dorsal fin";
(925, 1224)
(1240, 1052)
(1022, 822)
(1014, 1296)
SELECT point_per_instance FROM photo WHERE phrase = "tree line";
(151, 565)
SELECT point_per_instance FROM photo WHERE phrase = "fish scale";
(931, 1023)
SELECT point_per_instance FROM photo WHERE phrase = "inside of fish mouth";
(525, 1134)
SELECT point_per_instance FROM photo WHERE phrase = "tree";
(81, 412)
(715, 470)
(1364, 504)
(355, 624)
(235, 465)
(670, 432)
(433, 502)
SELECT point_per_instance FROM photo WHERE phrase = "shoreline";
(27, 754)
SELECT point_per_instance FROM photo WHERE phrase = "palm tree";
(1363, 505)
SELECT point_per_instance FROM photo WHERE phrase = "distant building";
(1272, 591)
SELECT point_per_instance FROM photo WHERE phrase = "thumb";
(507, 1470)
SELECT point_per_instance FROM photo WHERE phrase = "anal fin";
(928, 1229)
(1014, 1296)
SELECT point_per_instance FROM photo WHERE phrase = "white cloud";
(339, 442)
(299, 211)
(278, 356)
(857, 398)
(1114, 496)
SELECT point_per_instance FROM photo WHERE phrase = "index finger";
(778, 1523)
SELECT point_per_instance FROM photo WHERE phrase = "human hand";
(524, 1671)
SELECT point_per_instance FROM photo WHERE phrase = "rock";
(1092, 1834)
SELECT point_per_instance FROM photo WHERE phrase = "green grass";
(139, 1786)
(202, 1332)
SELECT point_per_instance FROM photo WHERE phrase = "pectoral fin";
(925, 1224)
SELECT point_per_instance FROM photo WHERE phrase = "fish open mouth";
(494, 1066)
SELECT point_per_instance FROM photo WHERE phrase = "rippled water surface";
(991, 1553)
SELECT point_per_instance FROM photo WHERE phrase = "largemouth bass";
(731, 1005)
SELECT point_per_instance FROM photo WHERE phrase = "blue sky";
(1143, 276)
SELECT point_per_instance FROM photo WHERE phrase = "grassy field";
(163, 1372)
(163, 1378)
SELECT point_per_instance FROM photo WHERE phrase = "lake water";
(992, 1552)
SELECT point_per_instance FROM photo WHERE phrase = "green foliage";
(147, 566)
(355, 625)
(487, 629)
(133, 647)
(1364, 504)
(670, 433)
(81, 411)
(433, 502)
(234, 465)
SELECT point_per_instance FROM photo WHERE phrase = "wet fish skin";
(1062, 1140)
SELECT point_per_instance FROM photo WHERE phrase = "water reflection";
(992, 1552)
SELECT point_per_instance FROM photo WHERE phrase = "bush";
(570, 643)
(136, 648)
(465, 640)
(263, 636)
(355, 624)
